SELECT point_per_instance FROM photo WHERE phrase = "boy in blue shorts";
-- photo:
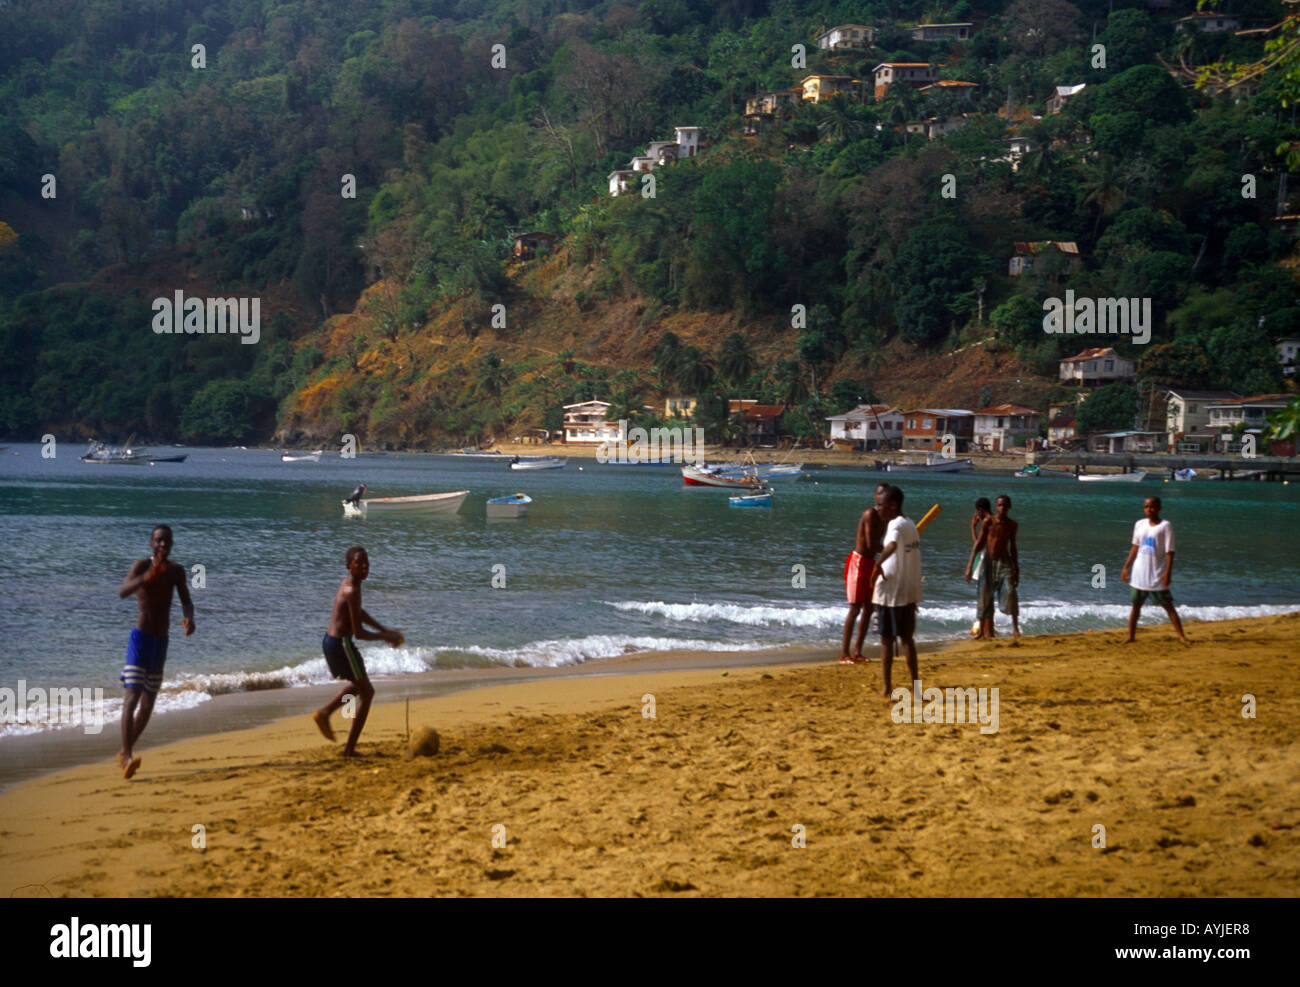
(152, 581)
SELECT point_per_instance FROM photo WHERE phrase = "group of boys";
(881, 574)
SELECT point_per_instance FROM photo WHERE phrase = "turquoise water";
(610, 560)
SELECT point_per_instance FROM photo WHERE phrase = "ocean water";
(610, 561)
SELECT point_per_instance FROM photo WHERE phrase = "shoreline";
(1145, 739)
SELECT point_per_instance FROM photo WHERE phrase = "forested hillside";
(362, 166)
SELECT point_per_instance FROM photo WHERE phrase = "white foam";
(763, 615)
(575, 651)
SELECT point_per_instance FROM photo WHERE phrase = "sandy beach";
(583, 794)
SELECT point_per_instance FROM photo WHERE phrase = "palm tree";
(694, 374)
(492, 377)
(736, 363)
(1104, 189)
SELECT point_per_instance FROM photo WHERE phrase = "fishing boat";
(1186, 473)
(168, 459)
(934, 463)
(1136, 477)
(759, 498)
(705, 476)
(305, 457)
(511, 505)
(100, 453)
(480, 454)
(538, 463)
(419, 505)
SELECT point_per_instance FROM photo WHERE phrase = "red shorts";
(857, 578)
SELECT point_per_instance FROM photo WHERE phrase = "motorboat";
(303, 457)
(538, 463)
(1136, 477)
(419, 505)
(511, 505)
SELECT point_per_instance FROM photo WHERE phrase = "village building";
(1288, 352)
(925, 428)
(1207, 22)
(1249, 414)
(621, 181)
(1132, 440)
(762, 107)
(933, 128)
(914, 74)
(943, 32)
(530, 245)
(953, 86)
(1062, 95)
(762, 421)
(1061, 430)
(1023, 258)
(847, 37)
(1096, 366)
(868, 426)
(584, 423)
(1187, 419)
(819, 88)
(1017, 148)
(680, 407)
(1002, 426)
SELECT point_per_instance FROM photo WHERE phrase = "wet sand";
(585, 795)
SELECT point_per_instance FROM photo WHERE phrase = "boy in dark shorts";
(348, 620)
(896, 587)
(1153, 550)
(997, 541)
(857, 577)
(152, 581)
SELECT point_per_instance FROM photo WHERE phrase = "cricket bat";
(930, 515)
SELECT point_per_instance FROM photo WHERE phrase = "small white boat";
(695, 476)
(101, 454)
(1187, 473)
(480, 454)
(760, 498)
(539, 463)
(511, 505)
(934, 463)
(1137, 477)
(419, 505)
(306, 457)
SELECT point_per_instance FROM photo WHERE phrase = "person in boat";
(152, 581)
(983, 511)
(348, 620)
(857, 577)
(997, 540)
(513, 460)
(896, 587)
(1151, 560)
(356, 495)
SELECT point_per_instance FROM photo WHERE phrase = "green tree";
(1111, 407)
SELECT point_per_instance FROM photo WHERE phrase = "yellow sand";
(1146, 740)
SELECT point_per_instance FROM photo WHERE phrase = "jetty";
(1254, 467)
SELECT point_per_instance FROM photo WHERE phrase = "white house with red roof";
(1096, 366)
(1001, 426)
(868, 426)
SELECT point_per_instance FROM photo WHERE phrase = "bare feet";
(1128, 641)
(323, 724)
(1183, 638)
(885, 697)
(859, 659)
(845, 660)
(132, 767)
(348, 753)
(120, 762)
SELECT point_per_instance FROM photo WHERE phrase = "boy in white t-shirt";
(1153, 550)
(896, 586)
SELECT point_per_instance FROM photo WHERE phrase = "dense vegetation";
(230, 176)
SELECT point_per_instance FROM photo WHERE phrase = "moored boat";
(168, 459)
(695, 476)
(933, 464)
(511, 505)
(538, 463)
(1136, 477)
(305, 457)
(759, 498)
(415, 506)
(1186, 473)
(102, 454)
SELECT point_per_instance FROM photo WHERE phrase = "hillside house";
(868, 426)
(530, 245)
(1064, 254)
(1128, 441)
(584, 423)
(942, 32)
(1017, 148)
(621, 181)
(914, 74)
(762, 107)
(1062, 95)
(950, 86)
(1061, 430)
(1288, 352)
(1207, 22)
(819, 88)
(1001, 426)
(661, 152)
(932, 128)
(762, 421)
(847, 37)
(680, 407)
(1096, 366)
(643, 163)
(1251, 412)
(925, 428)
(1187, 418)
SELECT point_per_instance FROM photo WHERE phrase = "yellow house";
(817, 88)
(680, 407)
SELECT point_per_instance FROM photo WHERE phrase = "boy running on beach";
(1153, 548)
(152, 581)
(896, 586)
(348, 620)
(983, 511)
(857, 577)
(1002, 574)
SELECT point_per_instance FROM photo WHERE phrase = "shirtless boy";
(857, 577)
(998, 542)
(152, 581)
(348, 620)
(1153, 551)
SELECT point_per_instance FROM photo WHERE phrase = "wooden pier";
(1255, 467)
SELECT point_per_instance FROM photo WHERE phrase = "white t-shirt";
(900, 579)
(1155, 543)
